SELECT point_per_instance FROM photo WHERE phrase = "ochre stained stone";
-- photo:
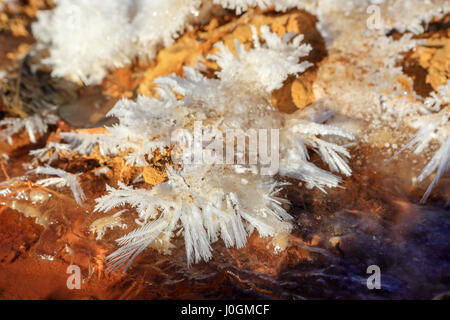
(153, 176)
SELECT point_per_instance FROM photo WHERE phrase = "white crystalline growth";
(63, 179)
(439, 163)
(35, 125)
(87, 38)
(207, 202)
(241, 6)
(158, 22)
(84, 38)
(265, 66)
(411, 15)
(145, 125)
(433, 126)
(99, 226)
(204, 204)
(50, 152)
(241, 94)
(300, 132)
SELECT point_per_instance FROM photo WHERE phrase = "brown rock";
(153, 176)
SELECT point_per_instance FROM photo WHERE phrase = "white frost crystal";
(99, 226)
(63, 179)
(266, 66)
(87, 38)
(206, 203)
(434, 125)
(50, 152)
(150, 27)
(439, 163)
(35, 126)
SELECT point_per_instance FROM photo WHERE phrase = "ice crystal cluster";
(87, 38)
(35, 126)
(431, 126)
(207, 202)
(62, 179)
